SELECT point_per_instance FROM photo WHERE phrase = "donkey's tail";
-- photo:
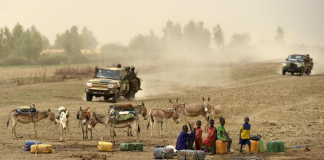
(138, 128)
(151, 119)
(8, 119)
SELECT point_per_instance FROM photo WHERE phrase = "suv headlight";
(284, 64)
(88, 84)
(112, 85)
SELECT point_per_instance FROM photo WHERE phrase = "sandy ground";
(287, 108)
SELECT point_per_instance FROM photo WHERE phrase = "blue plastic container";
(29, 143)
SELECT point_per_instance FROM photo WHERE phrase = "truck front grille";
(100, 85)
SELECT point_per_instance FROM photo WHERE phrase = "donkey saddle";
(26, 111)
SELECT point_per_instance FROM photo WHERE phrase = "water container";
(138, 146)
(281, 146)
(29, 143)
(105, 146)
(272, 147)
(261, 146)
(163, 153)
(195, 155)
(254, 147)
(127, 147)
(221, 147)
(181, 155)
(41, 148)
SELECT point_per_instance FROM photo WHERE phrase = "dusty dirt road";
(287, 108)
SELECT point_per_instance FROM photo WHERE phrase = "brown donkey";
(84, 115)
(160, 116)
(29, 119)
(190, 110)
(213, 111)
(104, 119)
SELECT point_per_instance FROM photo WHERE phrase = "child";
(245, 134)
(222, 135)
(209, 142)
(183, 138)
(198, 140)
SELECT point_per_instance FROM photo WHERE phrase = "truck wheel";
(130, 95)
(308, 71)
(301, 72)
(106, 98)
(283, 72)
(115, 97)
(292, 73)
(89, 96)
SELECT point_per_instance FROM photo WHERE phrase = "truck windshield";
(296, 58)
(108, 74)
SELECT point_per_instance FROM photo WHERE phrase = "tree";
(72, 41)
(172, 36)
(218, 36)
(45, 42)
(58, 43)
(113, 49)
(195, 36)
(280, 36)
(240, 39)
(150, 44)
(88, 39)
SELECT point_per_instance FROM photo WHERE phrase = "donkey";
(139, 109)
(64, 121)
(29, 119)
(160, 116)
(212, 111)
(190, 110)
(84, 116)
(104, 119)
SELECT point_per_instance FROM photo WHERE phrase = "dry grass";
(44, 74)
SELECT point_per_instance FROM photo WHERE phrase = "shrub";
(79, 59)
(15, 61)
(52, 59)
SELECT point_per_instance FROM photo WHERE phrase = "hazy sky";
(120, 20)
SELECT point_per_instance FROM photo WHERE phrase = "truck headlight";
(112, 85)
(299, 65)
(88, 84)
(284, 64)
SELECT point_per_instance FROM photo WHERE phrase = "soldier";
(135, 77)
(118, 65)
(95, 72)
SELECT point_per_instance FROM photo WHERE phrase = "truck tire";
(308, 71)
(89, 96)
(301, 72)
(115, 97)
(130, 95)
(106, 98)
(283, 72)
(292, 73)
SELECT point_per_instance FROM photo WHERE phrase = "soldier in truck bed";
(135, 77)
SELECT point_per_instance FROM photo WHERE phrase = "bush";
(52, 59)
(79, 59)
(15, 61)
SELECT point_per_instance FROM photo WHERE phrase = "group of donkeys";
(88, 118)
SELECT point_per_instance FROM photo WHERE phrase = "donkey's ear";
(170, 101)
(80, 108)
(49, 110)
(142, 103)
(177, 100)
(67, 112)
(208, 99)
(203, 99)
